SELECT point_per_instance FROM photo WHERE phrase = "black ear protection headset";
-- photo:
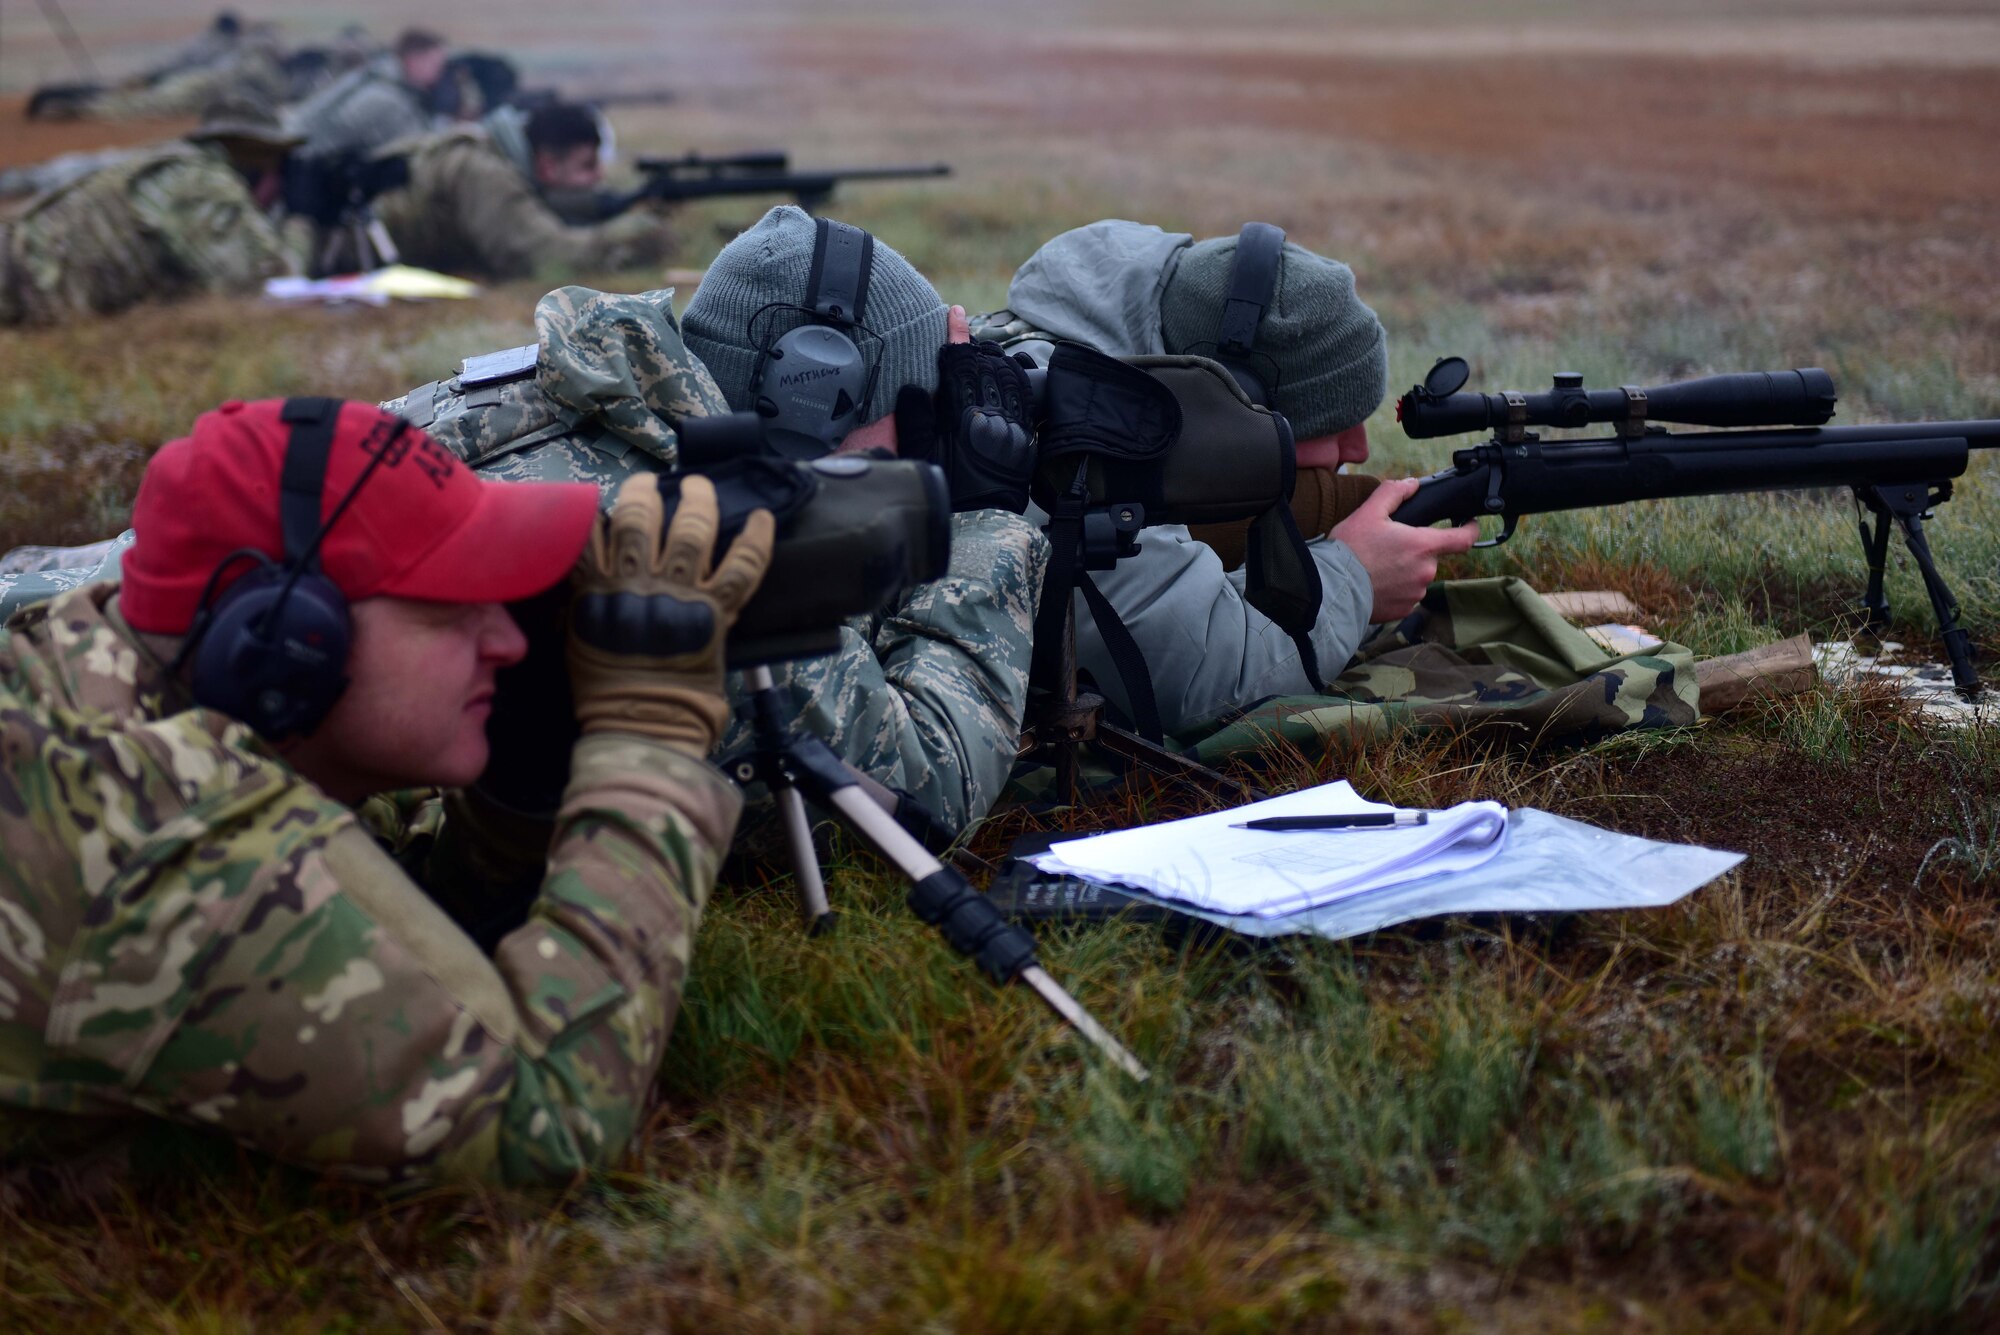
(272, 650)
(812, 383)
(1251, 291)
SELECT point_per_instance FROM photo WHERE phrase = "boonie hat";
(421, 526)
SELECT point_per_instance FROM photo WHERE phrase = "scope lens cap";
(1448, 376)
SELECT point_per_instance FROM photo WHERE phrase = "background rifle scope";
(1749, 398)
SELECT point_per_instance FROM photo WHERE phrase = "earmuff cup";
(280, 678)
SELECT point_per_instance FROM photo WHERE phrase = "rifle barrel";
(1537, 478)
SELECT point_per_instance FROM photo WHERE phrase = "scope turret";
(1745, 399)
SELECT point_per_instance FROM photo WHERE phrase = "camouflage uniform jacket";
(927, 698)
(169, 221)
(248, 72)
(359, 112)
(191, 931)
(470, 208)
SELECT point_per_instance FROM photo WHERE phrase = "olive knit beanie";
(1328, 348)
(771, 263)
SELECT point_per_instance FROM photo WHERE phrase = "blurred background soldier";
(233, 59)
(177, 219)
(475, 202)
(368, 107)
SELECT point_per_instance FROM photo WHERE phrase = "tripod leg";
(805, 862)
(1171, 765)
(942, 897)
(970, 922)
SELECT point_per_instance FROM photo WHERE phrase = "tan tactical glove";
(649, 620)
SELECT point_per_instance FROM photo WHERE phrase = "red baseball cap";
(421, 526)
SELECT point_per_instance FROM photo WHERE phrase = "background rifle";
(1899, 472)
(768, 172)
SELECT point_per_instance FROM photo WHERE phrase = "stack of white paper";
(1204, 862)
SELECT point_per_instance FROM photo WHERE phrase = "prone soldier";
(199, 927)
(1321, 359)
(478, 199)
(230, 59)
(371, 106)
(926, 698)
(180, 218)
(1290, 328)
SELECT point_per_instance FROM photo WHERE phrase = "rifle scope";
(1750, 398)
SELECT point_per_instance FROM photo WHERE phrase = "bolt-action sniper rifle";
(693, 176)
(1899, 472)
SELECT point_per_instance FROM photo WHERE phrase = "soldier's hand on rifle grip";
(979, 428)
(649, 619)
(1401, 560)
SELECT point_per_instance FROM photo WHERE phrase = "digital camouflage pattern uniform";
(169, 221)
(926, 698)
(191, 931)
(472, 207)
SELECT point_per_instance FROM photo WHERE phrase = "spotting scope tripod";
(794, 766)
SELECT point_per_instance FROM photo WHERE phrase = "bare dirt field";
(1772, 1107)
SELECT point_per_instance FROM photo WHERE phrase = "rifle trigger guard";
(1508, 523)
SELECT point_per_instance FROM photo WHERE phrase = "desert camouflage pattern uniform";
(471, 208)
(926, 698)
(190, 931)
(1485, 655)
(31, 575)
(169, 221)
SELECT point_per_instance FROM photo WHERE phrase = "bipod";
(796, 765)
(1062, 718)
(1909, 505)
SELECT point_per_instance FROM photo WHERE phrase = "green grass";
(1772, 1106)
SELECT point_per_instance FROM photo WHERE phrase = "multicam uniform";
(190, 930)
(248, 71)
(926, 698)
(471, 206)
(169, 221)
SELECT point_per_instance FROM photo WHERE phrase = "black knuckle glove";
(984, 427)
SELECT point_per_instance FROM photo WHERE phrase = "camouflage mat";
(1476, 654)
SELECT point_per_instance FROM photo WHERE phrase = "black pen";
(1372, 820)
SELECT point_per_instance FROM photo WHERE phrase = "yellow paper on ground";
(406, 282)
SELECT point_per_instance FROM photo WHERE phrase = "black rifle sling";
(1125, 656)
(1066, 576)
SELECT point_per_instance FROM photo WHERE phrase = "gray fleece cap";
(772, 263)
(1329, 349)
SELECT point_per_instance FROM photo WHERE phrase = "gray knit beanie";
(1331, 356)
(772, 263)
